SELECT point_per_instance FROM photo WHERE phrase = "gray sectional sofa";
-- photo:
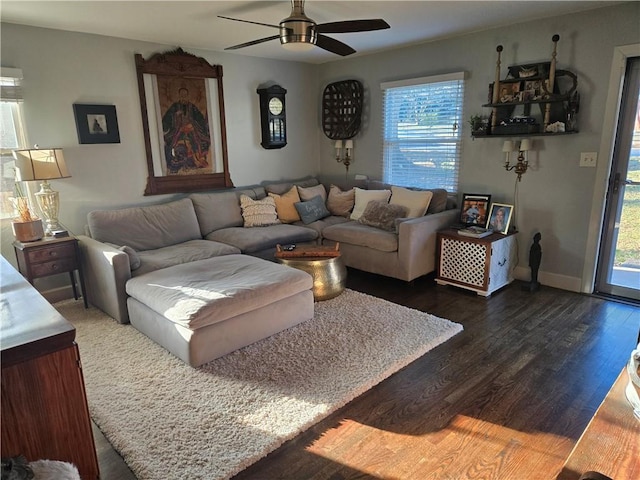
(156, 240)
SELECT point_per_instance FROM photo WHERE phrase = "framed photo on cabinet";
(500, 217)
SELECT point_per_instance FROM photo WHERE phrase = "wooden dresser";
(610, 445)
(44, 413)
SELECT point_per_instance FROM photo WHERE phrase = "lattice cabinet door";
(482, 265)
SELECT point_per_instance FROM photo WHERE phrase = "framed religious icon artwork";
(182, 104)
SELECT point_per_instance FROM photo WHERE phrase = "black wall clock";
(273, 120)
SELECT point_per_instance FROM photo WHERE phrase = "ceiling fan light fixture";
(298, 46)
(298, 34)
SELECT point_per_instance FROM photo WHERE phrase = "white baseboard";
(563, 282)
(58, 294)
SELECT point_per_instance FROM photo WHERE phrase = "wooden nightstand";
(49, 257)
(482, 265)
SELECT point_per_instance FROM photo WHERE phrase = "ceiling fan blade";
(254, 42)
(249, 21)
(334, 46)
(352, 26)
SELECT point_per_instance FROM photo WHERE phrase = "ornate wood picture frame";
(182, 105)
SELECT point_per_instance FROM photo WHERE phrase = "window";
(11, 134)
(422, 134)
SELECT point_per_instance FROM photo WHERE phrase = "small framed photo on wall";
(96, 123)
(500, 217)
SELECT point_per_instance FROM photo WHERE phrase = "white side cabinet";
(482, 265)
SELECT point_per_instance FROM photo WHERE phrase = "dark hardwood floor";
(505, 399)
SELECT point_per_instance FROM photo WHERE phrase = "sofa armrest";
(106, 271)
(417, 241)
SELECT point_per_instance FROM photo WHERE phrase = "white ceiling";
(194, 24)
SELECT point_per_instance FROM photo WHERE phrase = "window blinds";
(422, 131)
(11, 85)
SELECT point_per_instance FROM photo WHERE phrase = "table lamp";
(43, 164)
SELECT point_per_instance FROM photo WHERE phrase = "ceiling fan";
(299, 32)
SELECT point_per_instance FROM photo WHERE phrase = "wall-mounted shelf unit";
(510, 100)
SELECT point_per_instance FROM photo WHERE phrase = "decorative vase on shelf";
(26, 227)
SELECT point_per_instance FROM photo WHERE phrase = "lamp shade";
(40, 164)
(525, 145)
(507, 146)
(338, 144)
(348, 144)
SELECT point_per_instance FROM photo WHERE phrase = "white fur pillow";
(258, 213)
(382, 215)
(363, 197)
(54, 470)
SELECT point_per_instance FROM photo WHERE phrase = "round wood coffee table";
(324, 264)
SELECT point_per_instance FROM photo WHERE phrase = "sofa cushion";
(210, 291)
(283, 187)
(285, 205)
(307, 193)
(340, 202)
(363, 197)
(438, 201)
(320, 225)
(416, 201)
(382, 215)
(355, 233)
(250, 240)
(258, 213)
(312, 210)
(191, 251)
(134, 258)
(147, 227)
(219, 210)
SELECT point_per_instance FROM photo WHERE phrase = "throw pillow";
(307, 193)
(416, 201)
(312, 210)
(439, 201)
(363, 197)
(339, 202)
(258, 213)
(134, 259)
(285, 208)
(381, 214)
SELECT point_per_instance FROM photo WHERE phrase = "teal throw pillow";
(312, 210)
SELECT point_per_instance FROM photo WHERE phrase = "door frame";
(607, 142)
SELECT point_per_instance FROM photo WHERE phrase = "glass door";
(618, 271)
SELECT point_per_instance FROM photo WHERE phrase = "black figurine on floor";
(535, 256)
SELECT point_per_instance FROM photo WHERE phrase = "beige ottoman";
(205, 309)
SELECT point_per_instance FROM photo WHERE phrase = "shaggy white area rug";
(169, 420)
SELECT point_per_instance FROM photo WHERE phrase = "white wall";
(62, 68)
(555, 196)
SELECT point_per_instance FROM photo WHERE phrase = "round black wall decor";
(342, 109)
